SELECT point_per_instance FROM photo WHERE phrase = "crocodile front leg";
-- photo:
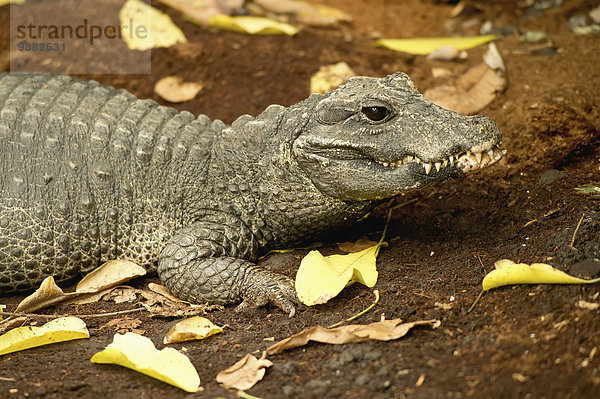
(206, 262)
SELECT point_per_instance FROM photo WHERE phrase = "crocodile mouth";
(465, 161)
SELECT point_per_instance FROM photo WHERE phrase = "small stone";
(372, 355)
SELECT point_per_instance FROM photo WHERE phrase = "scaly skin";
(89, 173)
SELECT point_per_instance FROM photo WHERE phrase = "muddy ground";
(530, 341)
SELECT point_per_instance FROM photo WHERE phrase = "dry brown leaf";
(384, 330)
(245, 373)
(471, 92)
(110, 274)
(200, 11)
(475, 89)
(123, 325)
(48, 294)
(91, 297)
(175, 90)
(357, 246)
(162, 290)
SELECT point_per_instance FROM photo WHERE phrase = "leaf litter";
(138, 353)
(385, 330)
(508, 272)
(320, 278)
(192, 328)
(57, 330)
(245, 373)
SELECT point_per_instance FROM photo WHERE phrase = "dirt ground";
(530, 341)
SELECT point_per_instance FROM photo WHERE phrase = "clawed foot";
(263, 288)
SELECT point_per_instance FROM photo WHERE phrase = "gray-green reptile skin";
(89, 173)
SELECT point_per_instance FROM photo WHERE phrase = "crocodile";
(89, 173)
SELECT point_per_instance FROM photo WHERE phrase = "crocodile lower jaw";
(465, 161)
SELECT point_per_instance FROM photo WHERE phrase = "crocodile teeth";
(467, 161)
(427, 167)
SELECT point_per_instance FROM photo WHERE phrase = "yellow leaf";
(57, 330)
(4, 2)
(193, 328)
(321, 278)
(144, 27)
(138, 353)
(330, 77)
(252, 25)
(508, 272)
(423, 46)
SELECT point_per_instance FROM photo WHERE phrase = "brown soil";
(530, 341)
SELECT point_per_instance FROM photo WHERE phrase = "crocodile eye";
(376, 114)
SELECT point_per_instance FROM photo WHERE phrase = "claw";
(265, 287)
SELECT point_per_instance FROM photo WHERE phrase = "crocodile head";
(374, 138)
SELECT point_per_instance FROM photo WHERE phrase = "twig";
(83, 316)
(475, 303)
(480, 293)
(339, 323)
(575, 232)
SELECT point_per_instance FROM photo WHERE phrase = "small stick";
(575, 232)
(475, 303)
(376, 292)
(480, 293)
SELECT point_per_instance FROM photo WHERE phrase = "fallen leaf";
(588, 189)
(424, 46)
(138, 353)
(144, 27)
(533, 36)
(244, 373)
(200, 11)
(193, 328)
(520, 377)
(123, 325)
(162, 290)
(252, 25)
(303, 11)
(175, 90)
(5, 2)
(588, 305)
(109, 274)
(420, 381)
(57, 330)
(443, 306)
(508, 272)
(385, 330)
(447, 53)
(320, 278)
(358, 245)
(473, 90)
(330, 77)
(48, 294)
